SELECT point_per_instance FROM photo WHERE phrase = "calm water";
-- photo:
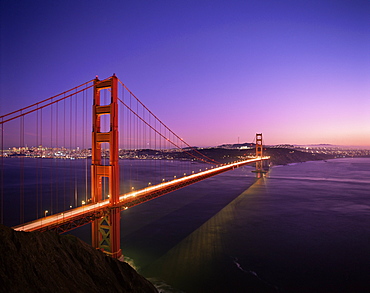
(303, 228)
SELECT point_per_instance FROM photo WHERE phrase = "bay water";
(302, 228)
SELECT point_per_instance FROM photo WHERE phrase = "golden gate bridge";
(123, 130)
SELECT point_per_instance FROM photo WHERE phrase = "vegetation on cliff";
(48, 262)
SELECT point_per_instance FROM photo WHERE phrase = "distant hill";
(232, 152)
(237, 145)
(279, 156)
(282, 156)
(48, 262)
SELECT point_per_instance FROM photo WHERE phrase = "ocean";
(302, 228)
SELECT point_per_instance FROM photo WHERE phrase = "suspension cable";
(166, 127)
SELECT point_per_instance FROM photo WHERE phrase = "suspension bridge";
(57, 174)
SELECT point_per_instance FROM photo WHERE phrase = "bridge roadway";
(85, 214)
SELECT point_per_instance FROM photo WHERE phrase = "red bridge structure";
(48, 144)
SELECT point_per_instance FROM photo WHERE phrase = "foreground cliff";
(48, 262)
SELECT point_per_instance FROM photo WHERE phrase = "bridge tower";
(259, 153)
(106, 230)
(259, 150)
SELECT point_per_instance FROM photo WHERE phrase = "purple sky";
(213, 71)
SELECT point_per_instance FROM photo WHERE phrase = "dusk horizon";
(296, 71)
(237, 140)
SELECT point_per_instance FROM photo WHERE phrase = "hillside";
(48, 262)
(279, 156)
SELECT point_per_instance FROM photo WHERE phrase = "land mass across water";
(280, 155)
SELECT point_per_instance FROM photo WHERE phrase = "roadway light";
(83, 202)
(46, 212)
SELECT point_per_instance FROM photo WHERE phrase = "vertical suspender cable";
(83, 136)
(57, 160)
(41, 155)
(155, 148)
(65, 154)
(75, 148)
(37, 165)
(21, 211)
(73, 191)
(130, 145)
(137, 140)
(51, 159)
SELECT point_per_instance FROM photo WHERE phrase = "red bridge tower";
(259, 153)
(106, 230)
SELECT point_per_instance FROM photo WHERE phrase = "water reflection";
(192, 263)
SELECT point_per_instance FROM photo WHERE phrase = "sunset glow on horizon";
(215, 72)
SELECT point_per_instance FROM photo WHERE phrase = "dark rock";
(48, 262)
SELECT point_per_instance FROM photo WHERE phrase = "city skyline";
(214, 72)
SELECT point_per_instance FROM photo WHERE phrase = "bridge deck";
(76, 217)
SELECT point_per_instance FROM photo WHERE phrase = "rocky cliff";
(48, 262)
